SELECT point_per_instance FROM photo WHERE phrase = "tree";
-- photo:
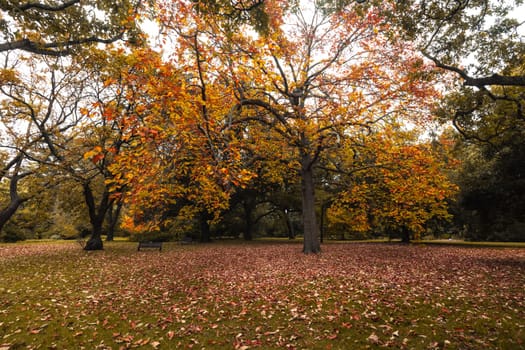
(396, 185)
(178, 152)
(23, 132)
(270, 191)
(323, 77)
(102, 138)
(481, 44)
(491, 150)
(60, 28)
(59, 129)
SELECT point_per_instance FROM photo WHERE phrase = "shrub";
(11, 235)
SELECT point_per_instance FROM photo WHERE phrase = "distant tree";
(396, 185)
(491, 178)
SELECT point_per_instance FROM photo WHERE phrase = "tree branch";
(494, 79)
(46, 7)
(55, 49)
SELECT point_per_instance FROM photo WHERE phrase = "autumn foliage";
(397, 185)
(314, 96)
(214, 100)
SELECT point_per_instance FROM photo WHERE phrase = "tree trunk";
(312, 243)
(324, 207)
(405, 235)
(96, 217)
(95, 240)
(249, 206)
(14, 199)
(113, 216)
(289, 224)
(13, 205)
(205, 227)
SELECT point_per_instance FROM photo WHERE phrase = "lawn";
(261, 295)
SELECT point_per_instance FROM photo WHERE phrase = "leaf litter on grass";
(245, 296)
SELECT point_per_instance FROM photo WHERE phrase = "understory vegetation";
(261, 295)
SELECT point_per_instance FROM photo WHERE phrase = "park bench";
(186, 240)
(150, 244)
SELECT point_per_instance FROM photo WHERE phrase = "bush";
(10, 235)
(513, 232)
(14, 231)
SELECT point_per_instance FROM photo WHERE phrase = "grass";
(264, 295)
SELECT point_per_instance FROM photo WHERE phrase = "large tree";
(314, 76)
(179, 157)
(53, 28)
(323, 76)
(481, 43)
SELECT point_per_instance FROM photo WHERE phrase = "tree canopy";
(238, 102)
(60, 28)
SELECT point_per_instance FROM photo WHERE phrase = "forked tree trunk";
(312, 243)
(96, 217)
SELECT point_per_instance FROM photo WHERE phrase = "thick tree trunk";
(14, 199)
(96, 217)
(9, 211)
(95, 240)
(312, 243)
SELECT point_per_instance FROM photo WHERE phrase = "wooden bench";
(186, 240)
(150, 244)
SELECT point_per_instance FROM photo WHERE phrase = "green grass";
(264, 295)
